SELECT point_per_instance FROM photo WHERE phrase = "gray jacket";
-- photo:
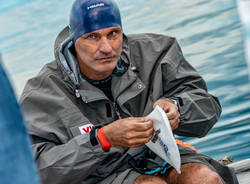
(57, 103)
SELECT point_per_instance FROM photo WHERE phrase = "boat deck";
(242, 169)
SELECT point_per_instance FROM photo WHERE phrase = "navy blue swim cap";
(91, 15)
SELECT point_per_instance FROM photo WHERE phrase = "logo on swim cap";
(90, 15)
(95, 5)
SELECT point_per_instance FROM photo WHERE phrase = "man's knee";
(207, 175)
(194, 173)
(147, 179)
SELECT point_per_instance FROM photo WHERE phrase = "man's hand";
(171, 110)
(129, 132)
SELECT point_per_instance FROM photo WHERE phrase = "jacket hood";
(64, 58)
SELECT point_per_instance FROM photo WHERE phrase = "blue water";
(209, 32)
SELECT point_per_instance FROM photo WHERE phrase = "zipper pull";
(77, 93)
(117, 111)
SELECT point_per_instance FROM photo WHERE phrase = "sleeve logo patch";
(85, 129)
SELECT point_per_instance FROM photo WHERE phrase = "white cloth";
(163, 142)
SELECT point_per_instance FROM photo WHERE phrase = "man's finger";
(171, 115)
(138, 142)
(143, 126)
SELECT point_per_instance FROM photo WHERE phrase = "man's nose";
(105, 45)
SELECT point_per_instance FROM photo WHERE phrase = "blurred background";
(209, 31)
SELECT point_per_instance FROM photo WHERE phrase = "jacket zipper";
(117, 110)
(77, 93)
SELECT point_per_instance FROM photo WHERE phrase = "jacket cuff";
(179, 103)
(92, 135)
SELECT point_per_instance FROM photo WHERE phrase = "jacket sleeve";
(61, 158)
(199, 110)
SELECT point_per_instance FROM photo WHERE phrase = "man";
(86, 110)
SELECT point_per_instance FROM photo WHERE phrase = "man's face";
(98, 52)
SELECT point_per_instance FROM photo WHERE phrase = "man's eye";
(91, 36)
(113, 34)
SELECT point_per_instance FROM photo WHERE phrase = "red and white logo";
(85, 129)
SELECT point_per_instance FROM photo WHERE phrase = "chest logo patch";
(85, 129)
